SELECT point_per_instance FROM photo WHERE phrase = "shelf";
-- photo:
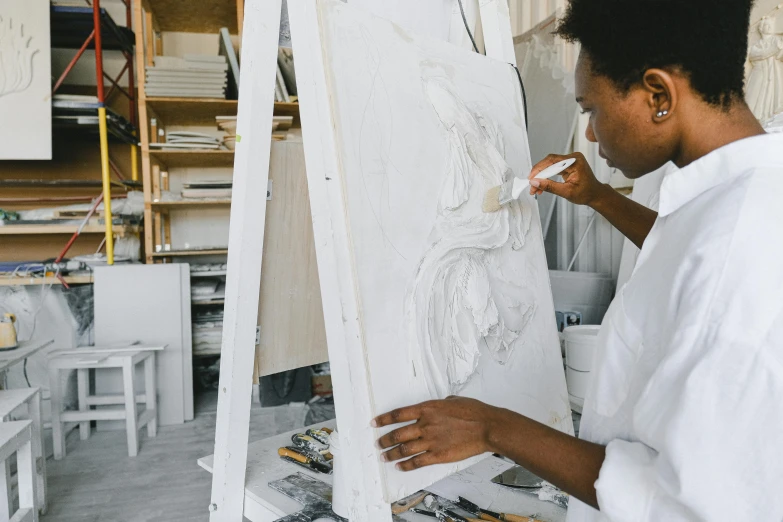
(71, 25)
(191, 111)
(194, 16)
(21, 230)
(209, 353)
(202, 111)
(194, 158)
(181, 253)
(38, 281)
(208, 303)
(191, 203)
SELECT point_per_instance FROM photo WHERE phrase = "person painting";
(683, 418)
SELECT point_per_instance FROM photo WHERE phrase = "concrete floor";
(97, 481)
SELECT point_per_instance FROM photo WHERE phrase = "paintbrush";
(498, 196)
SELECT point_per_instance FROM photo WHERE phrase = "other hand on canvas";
(449, 430)
(579, 185)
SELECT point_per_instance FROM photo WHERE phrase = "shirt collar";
(723, 165)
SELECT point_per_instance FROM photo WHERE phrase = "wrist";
(602, 196)
(498, 420)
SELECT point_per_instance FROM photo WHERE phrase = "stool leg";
(38, 449)
(130, 408)
(151, 392)
(6, 495)
(82, 382)
(26, 474)
(58, 437)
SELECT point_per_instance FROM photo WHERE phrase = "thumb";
(547, 185)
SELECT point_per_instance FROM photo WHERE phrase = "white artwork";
(25, 80)
(449, 300)
(765, 80)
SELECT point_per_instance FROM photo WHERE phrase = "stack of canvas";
(187, 140)
(195, 76)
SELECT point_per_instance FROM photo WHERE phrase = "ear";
(662, 93)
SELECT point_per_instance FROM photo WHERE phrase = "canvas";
(445, 299)
(25, 80)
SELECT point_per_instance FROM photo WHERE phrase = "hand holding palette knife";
(509, 191)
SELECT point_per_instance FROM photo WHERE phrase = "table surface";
(23, 351)
(264, 466)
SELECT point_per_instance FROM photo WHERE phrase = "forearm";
(565, 461)
(629, 217)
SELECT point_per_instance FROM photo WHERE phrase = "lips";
(608, 161)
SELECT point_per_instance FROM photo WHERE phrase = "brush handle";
(550, 172)
(517, 518)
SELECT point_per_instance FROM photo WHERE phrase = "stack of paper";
(195, 76)
(187, 140)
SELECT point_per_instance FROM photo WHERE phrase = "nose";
(589, 134)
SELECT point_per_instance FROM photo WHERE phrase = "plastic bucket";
(577, 382)
(580, 346)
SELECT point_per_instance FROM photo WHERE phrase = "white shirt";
(687, 390)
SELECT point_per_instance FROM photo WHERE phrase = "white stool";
(82, 363)
(17, 437)
(10, 401)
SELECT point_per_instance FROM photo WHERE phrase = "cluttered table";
(264, 504)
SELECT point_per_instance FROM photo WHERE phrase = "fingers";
(419, 461)
(400, 436)
(547, 185)
(397, 416)
(404, 450)
(544, 163)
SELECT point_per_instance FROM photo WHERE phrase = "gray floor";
(97, 481)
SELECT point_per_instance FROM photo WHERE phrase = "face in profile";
(766, 27)
(620, 122)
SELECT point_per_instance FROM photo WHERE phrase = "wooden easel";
(246, 236)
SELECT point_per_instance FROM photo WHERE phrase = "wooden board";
(246, 238)
(420, 269)
(24, 230)
(149, 304)
(189, 253)
(290, 312)
(191, 111)
(191, 203)
(195, 16)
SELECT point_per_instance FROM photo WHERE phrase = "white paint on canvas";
(450, 300)
(25, 84)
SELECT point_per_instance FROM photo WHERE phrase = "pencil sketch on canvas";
(451, 300)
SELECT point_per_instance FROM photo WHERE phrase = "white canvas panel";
(451, 300)
(25, 80)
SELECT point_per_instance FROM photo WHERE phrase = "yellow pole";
(134, 163)
(106, 178)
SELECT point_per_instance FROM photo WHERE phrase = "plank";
(191, 253)
(38, 281)
(246, 238)
(330, 230)
(290, 311)
(496, 23)
(120, 230)
(194, 158)
(191, 203)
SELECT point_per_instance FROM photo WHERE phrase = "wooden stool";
(10, 401)
(17, 437)
(82, 363)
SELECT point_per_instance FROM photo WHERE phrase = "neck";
(707, 129)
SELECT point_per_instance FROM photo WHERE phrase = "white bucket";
(339, 492)
(577, 382)
(580, 345)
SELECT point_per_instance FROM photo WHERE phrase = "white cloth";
(687, 390)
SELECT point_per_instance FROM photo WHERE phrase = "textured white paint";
(25, 80)
(422, 130)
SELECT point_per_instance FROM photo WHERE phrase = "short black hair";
(705, 39)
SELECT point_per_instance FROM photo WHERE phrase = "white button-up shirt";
(687, 390)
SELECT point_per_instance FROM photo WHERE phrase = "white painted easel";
(246, 239)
